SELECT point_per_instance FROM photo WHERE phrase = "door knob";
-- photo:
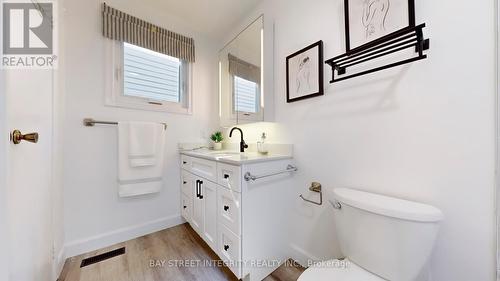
(17, 137)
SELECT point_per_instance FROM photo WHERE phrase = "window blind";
(150, 75)
(243, 69)
(123, 27)
(246, 95)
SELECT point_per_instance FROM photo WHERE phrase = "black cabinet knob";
(226, 176)
(226, 208)
(185, 207)
(226, 247)
(184, 182)
(184, 162)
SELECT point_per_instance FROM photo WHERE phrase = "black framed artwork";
(367, 22)
(304, 73)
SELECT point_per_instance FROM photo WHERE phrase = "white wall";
(94, 214)
(423, 132)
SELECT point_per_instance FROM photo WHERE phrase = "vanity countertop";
(233, 157)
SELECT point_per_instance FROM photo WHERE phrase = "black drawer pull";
(185, 207)
(201, 184)
(184, 182)
(184, 162)
(197, 188)
(226, 176)
(226, 247)
(226, 208)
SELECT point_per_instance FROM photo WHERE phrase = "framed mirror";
(241, 77)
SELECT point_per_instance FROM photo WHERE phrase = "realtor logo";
(28, 34)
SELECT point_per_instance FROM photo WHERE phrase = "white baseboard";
(58, 264)
(302, 256)
(93, 243)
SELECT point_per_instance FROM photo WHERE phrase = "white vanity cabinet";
(236, 217)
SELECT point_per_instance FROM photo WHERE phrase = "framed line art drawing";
(370, 20)
(304, 73)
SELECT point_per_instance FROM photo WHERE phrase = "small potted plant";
(217, 138)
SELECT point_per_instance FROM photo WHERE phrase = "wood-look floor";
(289, 271)
(178, 243)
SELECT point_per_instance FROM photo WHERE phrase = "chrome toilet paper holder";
(315, 187)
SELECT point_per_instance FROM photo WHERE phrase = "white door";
(28, 107)
(197, 211)
(209, 193)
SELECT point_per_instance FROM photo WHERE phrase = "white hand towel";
(143, 139)
(138, 180)
(129, 189)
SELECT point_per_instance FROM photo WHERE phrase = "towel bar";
(89, 122)
(248, 176)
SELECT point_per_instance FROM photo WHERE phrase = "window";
(144, 79)
(246, 95)
(151, 75)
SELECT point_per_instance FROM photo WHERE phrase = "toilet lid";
(338, 270)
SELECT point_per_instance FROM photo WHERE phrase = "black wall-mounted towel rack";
(411, 37)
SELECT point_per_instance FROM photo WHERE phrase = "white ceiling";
(211, 17)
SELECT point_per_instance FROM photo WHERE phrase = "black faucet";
(243, 145)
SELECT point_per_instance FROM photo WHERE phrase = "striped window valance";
(243, 69)
(123, 27)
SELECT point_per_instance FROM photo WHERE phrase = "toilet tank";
(390, 237)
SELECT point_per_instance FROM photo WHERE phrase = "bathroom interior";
(276, 140)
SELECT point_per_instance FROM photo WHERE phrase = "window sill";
(167, 107)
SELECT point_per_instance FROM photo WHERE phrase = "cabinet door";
(197, 210)
(209, 195)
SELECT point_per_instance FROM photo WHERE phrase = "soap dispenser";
(261, 145)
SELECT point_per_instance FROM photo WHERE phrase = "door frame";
(4, 270)
(3, 179)
(497, 137)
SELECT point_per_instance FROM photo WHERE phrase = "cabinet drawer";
(229, 209)
(229, 173)
(186, 183)
(186, 207)
(204, 168)
(229, 249)
(186, 162)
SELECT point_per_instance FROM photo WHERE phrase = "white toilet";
(382, 238)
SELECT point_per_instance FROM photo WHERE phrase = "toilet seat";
(330, 270)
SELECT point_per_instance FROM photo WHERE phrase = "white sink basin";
(222, 154)
(227, 154)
